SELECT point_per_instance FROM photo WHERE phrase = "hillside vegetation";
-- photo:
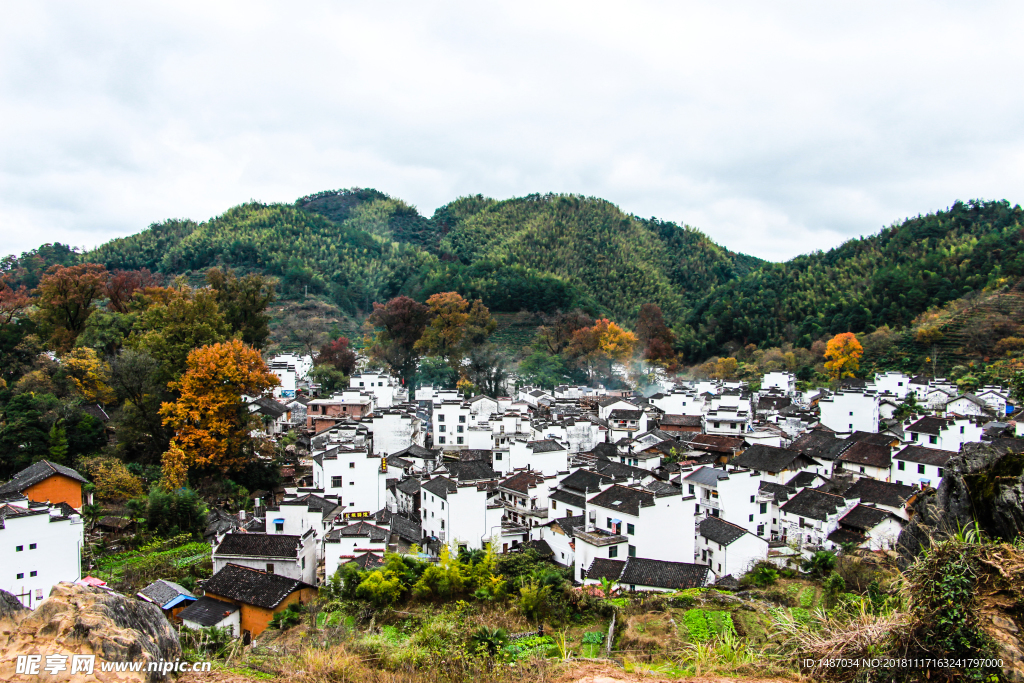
(544, 253)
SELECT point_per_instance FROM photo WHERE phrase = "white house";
(888, 496)
(918, 465)
(866, 459)
(728, 549)
(357, 478)
(348, 542)
(781, 380)
(387, 390)
(40, 547)
(653, 524)
(868, 527)
(546, 456)
(645, 574)
(560, 535)
(524, 495)
(396, 430)
(810, 516)
(969, 404)
(294, 515)
(943, 433)
(892, 382)
(459, 515)
(996, 397)
(846, 412)
(287, 555)
(289, 369)
(727, 420)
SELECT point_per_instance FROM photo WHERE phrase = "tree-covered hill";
(550, 252)
(885, 279)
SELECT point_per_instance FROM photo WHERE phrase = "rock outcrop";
(983, 484)
(87, 620)
(11, 607)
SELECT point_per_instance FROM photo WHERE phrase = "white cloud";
(777, 128)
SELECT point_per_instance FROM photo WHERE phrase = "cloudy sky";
(775, 127)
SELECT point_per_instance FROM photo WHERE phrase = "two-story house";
(919, 465)
(40, 546)
(294, 556)
(727, 548)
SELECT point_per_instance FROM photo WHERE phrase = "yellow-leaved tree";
(843, 353)
(90, 375)
(212, 429)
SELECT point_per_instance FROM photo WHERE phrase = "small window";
(442, 525)
(764, 508)
(351, 483)
(612, 552)
(940, 471)
(458, 440)
(21, 575)
(609, 522)
(440, 428)
(336, 482)
(279, 527)
(462, 418)
(303, 563)
(751, 518)
(351, 465)
(691, 488)
(961, 430)
(442, 505)
(899, 465)
(760, 529)
(632, 551)
(440, 439)
(862, 470)
(630, 529)
(31, 546)
(497, 456)
(460, 429)
(39, 594)
(270, 568)
(752, 499)
(851, 413)
(440, 417)
(920, 469)
(19, 548)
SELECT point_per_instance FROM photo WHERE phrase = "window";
(632, 551)
(279, 527)
(760, 529)
(460, 429)
(851, 426)
(440, 428)
(440, 439)
(21, 575)
(609, 522)
(303, 563)
(351, 505)
(440, 417)
(442, 525)
(691, 488)
(612, 552)
(270, 568)
(39, 594)
(961, 430)
(751, 499)
(716, 425)
(899, 465)
(458, 440)
(19, 548)
(380, 384)
(497, 456)
(351, 483)
(31, 546)
(851, 413)
(920, 469)
(462, 418)
(940, 471)
(442, 505)
(751, 518)
(361, 384)
(630, 529)
(764, 508)
(335, 482)
(351, 465)
(933, 439)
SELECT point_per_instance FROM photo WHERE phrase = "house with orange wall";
(257, 594)
(48, 482)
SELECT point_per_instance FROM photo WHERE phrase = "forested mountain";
(884, 279)
(555, 252)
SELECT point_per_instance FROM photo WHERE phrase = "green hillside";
(543, 253)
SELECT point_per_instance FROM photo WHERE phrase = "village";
(689, 484)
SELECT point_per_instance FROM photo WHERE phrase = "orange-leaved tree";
(455, 327)
(66, 297)
(212, 428)
(843, 353)
(601, 345)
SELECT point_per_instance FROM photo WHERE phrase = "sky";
(776, 128)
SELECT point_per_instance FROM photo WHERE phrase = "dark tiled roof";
(409, 485)
(567, 498)
(716, 443)
(311, 502)
(395, 461)
(406, 529)
(773, 402)
(819, 444)
(539, 545)
(620, 414)
(640, 571)
(925, 456)
(880, 492)
(813, 504)
(252, 586)
(368, 561)
(259, 545)
(440, 487)
(624, 499)
(162, 591)
(359, 529)
(96, 411)
(802, 480)
(419, 452)
(584, 481)
(207, 611)
(602, 567)
(570, 524)
(864, 518)
(841, 536)
(472, 470)
(618, 470)
(771, 459)
(470, 454)
(546, 446)
(720, 531)
(873, 438)
(37, 472)
(707, 476)
(929, 425)
(522, 482)
(864, 453)
(681, 420)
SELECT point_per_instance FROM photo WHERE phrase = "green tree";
(392, 332)
(171, 513)
(243, 302)
(58, 438)
(66, 297)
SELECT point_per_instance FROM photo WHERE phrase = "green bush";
(763, 574)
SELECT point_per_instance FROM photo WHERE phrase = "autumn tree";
(843, 353)
(455, 327)
(392, 331)
(141, 433)
(122, 285)
(602, 345)
(175, 321)
(212, 428)
(308, 330)
(557, 331)
(243, 302)
(654, 335)
(13, 300)
(89, 374)
(66, 297)
(114, 482)
(339, 355)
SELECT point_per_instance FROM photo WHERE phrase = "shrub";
(491, 640)
(762, 575)
(382, 588)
